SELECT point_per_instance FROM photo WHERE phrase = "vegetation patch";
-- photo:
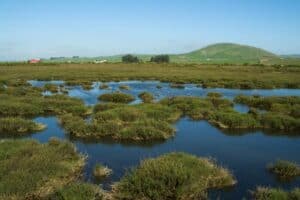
(177, 85)
(284, 169)
(78, 191)
(101, 171)
(147, 97)
(124, 87)
(116, 97)
(173, 176)
(30, 170)
(124, 122)
(283, 112)
(51, 87)
(264, 193)
(103, 86)
(19, 126)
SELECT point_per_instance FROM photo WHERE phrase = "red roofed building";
(34, 61)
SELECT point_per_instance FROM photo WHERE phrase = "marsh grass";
(51, 87)
(265, 193)
(124, 122)
(29, 169)
(19, 126)
(172, 176)
(116, 97)
(283, 112)
(208, 75)
(100, 171)
(284, 169)
(147, 97)
(177, 85)
(78, 191)
(103, 86)
(124, 87)
(32, 104)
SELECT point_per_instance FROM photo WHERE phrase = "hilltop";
(226, 53)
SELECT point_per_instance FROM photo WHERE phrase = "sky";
(49, 28)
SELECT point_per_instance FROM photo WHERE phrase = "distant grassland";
(208, 75)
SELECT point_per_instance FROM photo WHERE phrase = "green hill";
(220, 53)
(226, 53)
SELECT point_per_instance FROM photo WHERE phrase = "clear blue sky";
(44, 28)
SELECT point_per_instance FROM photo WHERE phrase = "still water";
(245, 153)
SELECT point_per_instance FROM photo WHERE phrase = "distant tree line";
(157, 59)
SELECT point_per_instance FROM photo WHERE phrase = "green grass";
(29, 169)
(208, 75)
(124, 122)
(172, 176)
(284, 169)
(28, 101)
(116, 97)
(226, 53)
(283, 112)
(264, 193)
(18, 126)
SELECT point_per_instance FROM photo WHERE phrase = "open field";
(209, 75)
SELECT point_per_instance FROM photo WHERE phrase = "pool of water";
(245, 153)
(164, 90)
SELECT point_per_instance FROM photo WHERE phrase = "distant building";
(32, 61)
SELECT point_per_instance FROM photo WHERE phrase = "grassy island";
(172, 176)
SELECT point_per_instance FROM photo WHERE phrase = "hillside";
(226, 53)
(215, 54)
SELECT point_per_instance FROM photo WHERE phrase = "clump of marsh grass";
(173, 176)
(79, 191)
(146, 97)
(265, 193)
(124, 122)
(30, 169)
(124, 87)
(101, 171)
(51, 87)
(284, 169)
(103, 86)
(214, 95)
(116, 97)
(177, 85)
(19, 126)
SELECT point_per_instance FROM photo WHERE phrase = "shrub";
(116, 97)
(285, 169)
(146, 97)
(130, 59)
(160, 59)
(29, 169)
(172, 176)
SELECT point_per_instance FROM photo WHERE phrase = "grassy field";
(208, 75)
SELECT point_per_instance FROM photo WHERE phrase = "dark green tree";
(160, 59)
(130, 59)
